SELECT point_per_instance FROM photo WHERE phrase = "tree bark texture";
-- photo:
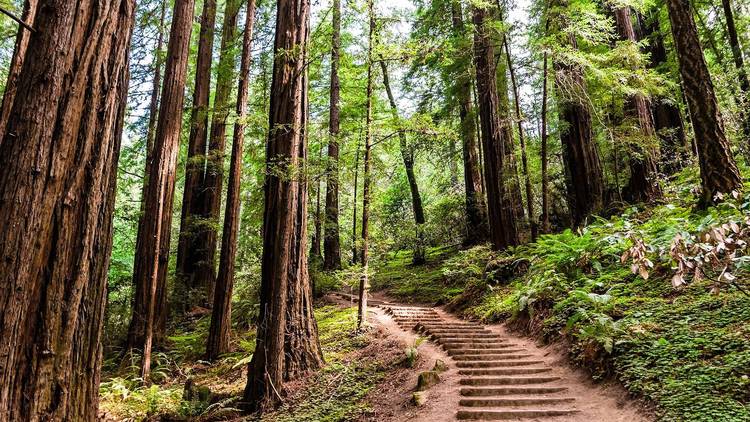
(476, 214)
(544, 148)
(719, 173)
(16, 63)
(583, 171)
(407, 155)
(150, 258)
(221, 313)
(213, 179)
(287, 341)
(57, 189)
(739, 63)
(191, 253)
(643, 185)
(667, 117)
(498, 172)
(332, 241)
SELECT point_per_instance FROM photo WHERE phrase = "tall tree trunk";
(506, 126)
(407, 155)
(719, 173)
(191, 253)
(476, 214)
(331, 241)
(355, 253)
(16, 63)
(497, 168)
(544, 154)
(221, 313)
(364, 280)
(57, 192)
(522, 141)
(315, 249)
(287, 340)
(583, 170)
(210, 195)
(739, 63)
(667, 118)
(643, 185)
(160, 192)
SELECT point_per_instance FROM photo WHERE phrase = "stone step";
(492, 358)
(497, 364)
(464, 334)
(446, 324)
(473, 345)
(491, 415)
(470, 340)
(503, 371)
(508, 391)
(507, 380)
(461, 351)
(515, 402)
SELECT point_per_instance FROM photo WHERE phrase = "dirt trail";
(495, 375)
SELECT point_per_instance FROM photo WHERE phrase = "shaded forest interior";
(183, 184)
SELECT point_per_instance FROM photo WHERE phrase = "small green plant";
(412, 352)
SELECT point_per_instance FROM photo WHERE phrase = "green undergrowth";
(686, 348)
(355, 363)
(425, 283)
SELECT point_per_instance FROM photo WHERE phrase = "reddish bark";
(16, 63)
(583, 171)
(213, 179)
(287, 341)
(331, 240)
(191, 253)
(643, 185)
(57, 189)
(719, 173)
(150, 257)
(221, 314)
(476, 214)
(499, 173)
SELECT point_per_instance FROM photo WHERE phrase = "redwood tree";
(210, 194)
(287, 339)
(739, 63)
(719, 173)
(498, 171)
(221, 313)
(643, 185)
(154, 233)
(476, 214)
(667, 117)
(331, 239)
(366, 174)
(191, 254)
(583, 170)
(57, 189)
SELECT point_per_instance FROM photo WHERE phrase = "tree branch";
(12, 16)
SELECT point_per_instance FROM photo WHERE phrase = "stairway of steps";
(499, 380)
